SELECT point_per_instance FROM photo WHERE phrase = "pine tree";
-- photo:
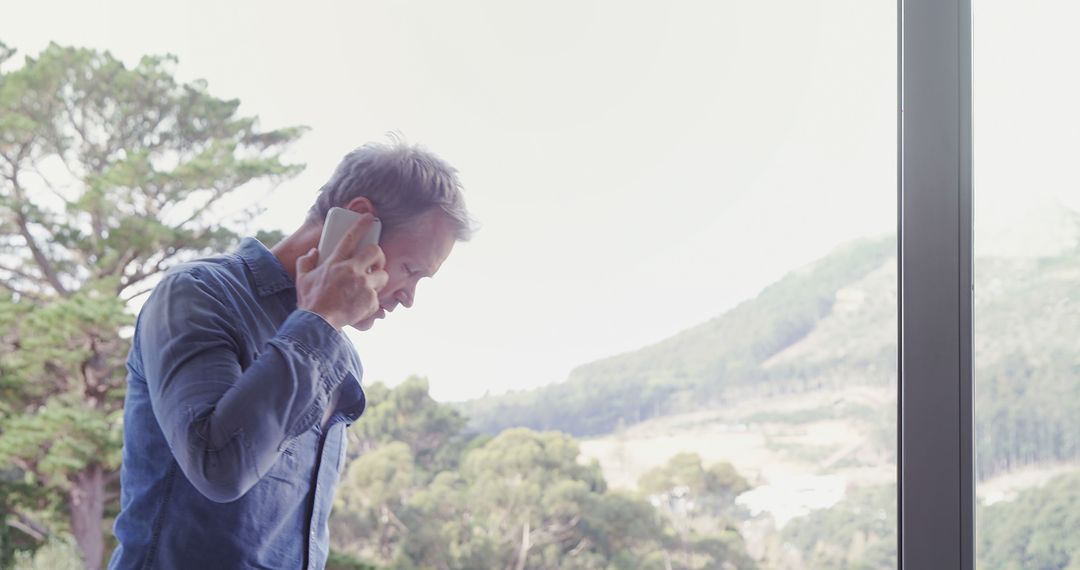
(109, 175)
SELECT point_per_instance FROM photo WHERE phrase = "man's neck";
(296, 245)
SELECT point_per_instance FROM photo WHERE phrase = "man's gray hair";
(401, 180)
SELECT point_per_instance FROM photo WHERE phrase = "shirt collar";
(270, 275)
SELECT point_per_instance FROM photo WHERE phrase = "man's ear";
(361, 205)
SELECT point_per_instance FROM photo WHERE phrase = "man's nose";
(405, 297)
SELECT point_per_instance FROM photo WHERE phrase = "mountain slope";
(699, 366)
(831, 325)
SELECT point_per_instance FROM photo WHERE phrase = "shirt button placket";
(311, 524)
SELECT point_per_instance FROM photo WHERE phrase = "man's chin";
(364, 325)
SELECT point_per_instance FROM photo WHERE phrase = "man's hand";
(344, 289)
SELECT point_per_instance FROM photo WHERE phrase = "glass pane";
(671, 345)
(687, 266)
(1027, 285)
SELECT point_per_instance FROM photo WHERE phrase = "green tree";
(371, 498)
(403, 440)
(686, 470)
(408, 414)
(858, 533)
(524, 500)
(1039, 530)
(422, 496)
(700, 504)
(109, 175)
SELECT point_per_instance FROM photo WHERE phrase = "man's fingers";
(307, 262)
(372, 256)
(378, 279)
(347, 246)
(369, 259)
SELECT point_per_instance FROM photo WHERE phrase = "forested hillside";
(704, 365)
(833, 324)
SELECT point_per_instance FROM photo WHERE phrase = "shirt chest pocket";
(298, 456)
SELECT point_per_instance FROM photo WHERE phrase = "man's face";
(413, 252)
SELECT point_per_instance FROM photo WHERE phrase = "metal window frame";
(935, 466)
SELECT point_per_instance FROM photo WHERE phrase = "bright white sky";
(638, 167)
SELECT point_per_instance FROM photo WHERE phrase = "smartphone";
(338, 221)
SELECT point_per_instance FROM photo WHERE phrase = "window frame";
(935, 399)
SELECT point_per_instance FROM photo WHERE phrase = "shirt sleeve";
(226, 426)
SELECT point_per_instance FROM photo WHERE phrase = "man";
(241, 382)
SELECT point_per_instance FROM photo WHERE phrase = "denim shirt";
(226, 462)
